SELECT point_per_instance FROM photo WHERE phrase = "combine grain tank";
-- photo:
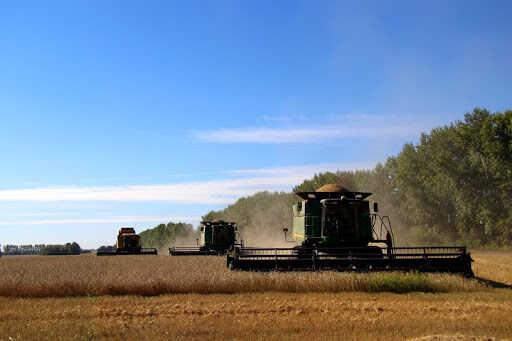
(128, 243)
(217, 238)
(334, 229)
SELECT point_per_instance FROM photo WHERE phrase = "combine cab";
(217, 238)
(334, 229)
(128, 243)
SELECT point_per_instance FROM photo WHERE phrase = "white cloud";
(133, 219)
(365, 126)
(211, 192)
(306, 170)
(241, 183)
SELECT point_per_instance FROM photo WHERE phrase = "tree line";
(163, 236)
(43, 249)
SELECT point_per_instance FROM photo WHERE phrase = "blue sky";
(116, 113)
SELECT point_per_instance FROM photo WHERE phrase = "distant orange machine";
(128, 243)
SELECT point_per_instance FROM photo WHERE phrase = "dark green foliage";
(454, 186)
(163, 236)
(457, 180)
(401, 283)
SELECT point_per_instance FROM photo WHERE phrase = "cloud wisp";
(211, 192)
(307, 170)
(225, 191)
(365, 126)
(129, 219)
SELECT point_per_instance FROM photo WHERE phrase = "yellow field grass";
(88, 275)
(267, 306)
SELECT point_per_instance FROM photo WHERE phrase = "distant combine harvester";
(128, 243)
(217, 238)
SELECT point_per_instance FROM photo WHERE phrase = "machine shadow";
(493, 284)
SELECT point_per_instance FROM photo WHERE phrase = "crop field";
(197, 298)
(58, 276)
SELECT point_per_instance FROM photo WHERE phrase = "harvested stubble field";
(244, 305)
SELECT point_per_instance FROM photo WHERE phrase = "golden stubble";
(273, 307)
(261, 316)
(88, 275)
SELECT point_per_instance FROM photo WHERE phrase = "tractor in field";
(128, 243)
(217, 238)
(334, 229)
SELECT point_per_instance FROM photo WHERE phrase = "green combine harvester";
(217, 238)
(334, 229)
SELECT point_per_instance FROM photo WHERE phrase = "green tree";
(164, 236)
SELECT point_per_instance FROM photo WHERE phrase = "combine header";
(217, 238)
(128, 243)
(335, 230)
